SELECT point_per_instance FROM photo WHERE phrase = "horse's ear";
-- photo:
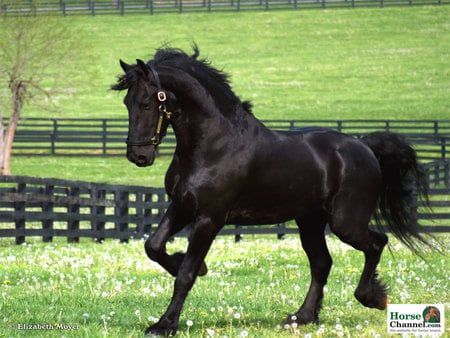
(126, 67)
(143, 66)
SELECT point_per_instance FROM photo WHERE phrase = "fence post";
(19, 208)
(281, 230)
(92, 7)
(447, 173)
(237, 233)
(443, 147)
(436, 129)
(47, 208)
(98, 213)
(73, 223)
(104, 135)
(120, 212)
(122, 8)
(54, 136)
(63, 8)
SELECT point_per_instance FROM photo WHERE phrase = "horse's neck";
(196, 130)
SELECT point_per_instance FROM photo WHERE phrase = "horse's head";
(147, 112)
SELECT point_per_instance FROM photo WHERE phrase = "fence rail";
(47, 208)
(150, 7)
(101, 137)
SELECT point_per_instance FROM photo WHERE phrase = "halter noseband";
(163, 113)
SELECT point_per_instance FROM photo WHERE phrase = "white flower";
(243, 333)
(189, 323)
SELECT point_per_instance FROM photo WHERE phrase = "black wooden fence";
(150, 7)
(52, 207)
(73, 209)
(94, 137)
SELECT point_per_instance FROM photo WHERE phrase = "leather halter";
(163, 113)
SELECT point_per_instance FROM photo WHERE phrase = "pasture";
(336, 64)
(114, 290)
(368, 63)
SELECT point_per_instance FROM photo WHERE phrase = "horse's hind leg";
(350, 224)
(312, 234)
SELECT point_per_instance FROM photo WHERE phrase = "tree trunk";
(7, 137)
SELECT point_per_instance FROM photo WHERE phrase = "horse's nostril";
(141, 159)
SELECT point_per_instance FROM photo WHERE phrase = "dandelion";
(237, 315)
(152, 319)
(189, 323)
(243, 333)
(210, 332)
(320, 331)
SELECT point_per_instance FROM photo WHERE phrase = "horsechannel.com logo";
(416, 319)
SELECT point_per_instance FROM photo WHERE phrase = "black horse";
(228, 168)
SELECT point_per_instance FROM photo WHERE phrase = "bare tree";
(31, 50)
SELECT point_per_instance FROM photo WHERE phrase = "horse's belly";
(272, 211)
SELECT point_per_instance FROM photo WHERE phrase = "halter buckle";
(162, 96)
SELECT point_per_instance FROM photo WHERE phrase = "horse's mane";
(214, 80)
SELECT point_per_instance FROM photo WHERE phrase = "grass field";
(113, 290)
(362, 63)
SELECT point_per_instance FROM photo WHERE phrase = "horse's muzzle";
(142, 156)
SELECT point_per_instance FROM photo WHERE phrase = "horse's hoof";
(301, 318)
(203, 270)
(158, 331)
(384, 303)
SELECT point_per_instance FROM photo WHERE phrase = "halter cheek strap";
(163, 113)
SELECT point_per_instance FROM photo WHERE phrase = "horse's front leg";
(203, 233)
(155, 246)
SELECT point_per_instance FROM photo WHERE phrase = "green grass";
(338, 64)
(114, 290)
(113, 170)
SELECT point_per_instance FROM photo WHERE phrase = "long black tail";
(403, 180)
